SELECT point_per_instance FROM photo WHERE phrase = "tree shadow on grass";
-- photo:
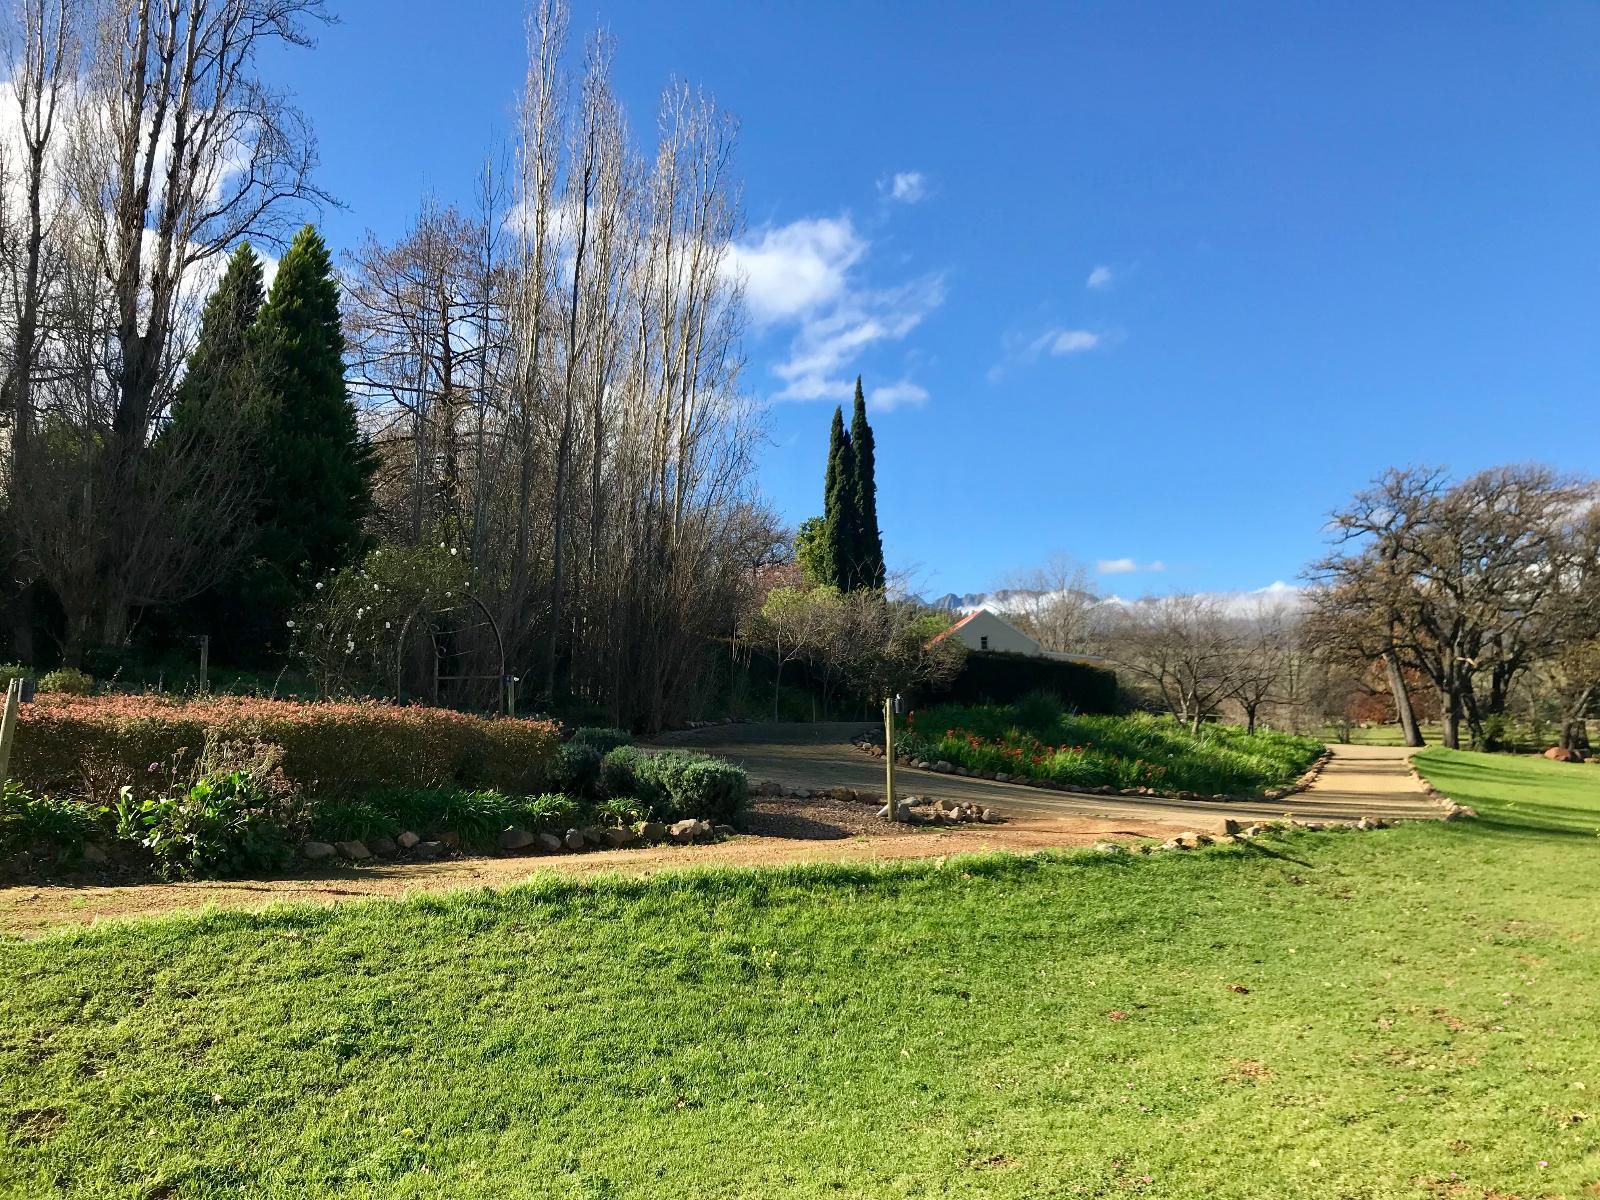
(1254, 846)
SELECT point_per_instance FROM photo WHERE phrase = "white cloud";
(908, 187)
(791, 270)
(1100, 277)
(1067, 341)
(902, 393)
(1127, 566)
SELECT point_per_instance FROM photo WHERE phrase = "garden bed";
(230, 788)
(1038, 742)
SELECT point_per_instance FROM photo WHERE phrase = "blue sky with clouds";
(1154, 285)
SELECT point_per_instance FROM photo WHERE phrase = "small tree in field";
(793, 623)
(890, 646)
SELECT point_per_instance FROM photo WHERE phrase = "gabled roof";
(939, 637)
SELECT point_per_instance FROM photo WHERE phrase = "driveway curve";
(1359, 781)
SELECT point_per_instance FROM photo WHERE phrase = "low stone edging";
(411, 846)
(1452, 810)
(868, 744)
(1237, 831)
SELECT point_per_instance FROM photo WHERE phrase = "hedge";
(329, 749)
(995, 677)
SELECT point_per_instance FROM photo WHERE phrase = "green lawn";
(1408, 1013)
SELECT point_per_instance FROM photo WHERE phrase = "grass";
(1408, 1013)
(1038, 739)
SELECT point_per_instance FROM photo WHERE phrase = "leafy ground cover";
(1037, 738)
(1407, 1013)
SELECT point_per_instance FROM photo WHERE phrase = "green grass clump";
(44, 826)
(1400, 1014)
(1038, 739)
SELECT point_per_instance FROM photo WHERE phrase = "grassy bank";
(1399, 1014)
(1038, 739)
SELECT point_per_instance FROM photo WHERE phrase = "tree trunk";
(1405, 713)
(1450, 716)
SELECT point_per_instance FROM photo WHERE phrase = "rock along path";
(1359, 781)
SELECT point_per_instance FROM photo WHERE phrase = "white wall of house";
(985, 631)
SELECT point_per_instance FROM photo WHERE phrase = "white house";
(983, 630)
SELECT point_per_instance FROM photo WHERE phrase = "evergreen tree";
(841, 513)
(220, 376)
(869, 541)
(317, 466)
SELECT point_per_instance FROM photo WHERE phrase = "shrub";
(578, 770)
(619, 774)
(330, 750)
(66, 681)
(603, 738)
(676, 784)
(10, 671)
(41, 825)
(239, 814)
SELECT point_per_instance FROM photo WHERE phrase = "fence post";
(8, 728)
(888, 756)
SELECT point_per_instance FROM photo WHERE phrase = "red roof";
(939, 637)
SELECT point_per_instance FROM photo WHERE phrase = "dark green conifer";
(869, 541)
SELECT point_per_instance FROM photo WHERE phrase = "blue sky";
(1162, 284)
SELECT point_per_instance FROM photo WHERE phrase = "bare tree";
(1183, 649)
(1263, 649)
(171, 150)
(1054, 604)
(1454, 580)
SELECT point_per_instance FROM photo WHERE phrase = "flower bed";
(1037, 740)
(77, 746)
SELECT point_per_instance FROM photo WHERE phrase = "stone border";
(870, 743)
(1238, 831)
(1452, 810)
(512, 841)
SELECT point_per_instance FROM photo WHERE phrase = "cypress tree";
(317, 465)
(841, 513)
(868, 539)
(220, 375)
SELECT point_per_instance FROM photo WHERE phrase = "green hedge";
(995, 677)
(66, 744)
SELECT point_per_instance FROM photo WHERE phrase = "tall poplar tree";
(869, 541)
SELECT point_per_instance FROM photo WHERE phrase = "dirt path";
(30, 910)
(1360, 781)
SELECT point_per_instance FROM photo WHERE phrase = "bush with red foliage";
(87, 746)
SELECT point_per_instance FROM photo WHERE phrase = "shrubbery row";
(234, 807)
(86, 747)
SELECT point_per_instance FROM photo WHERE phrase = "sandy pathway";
(29, 910)
(1359, 781)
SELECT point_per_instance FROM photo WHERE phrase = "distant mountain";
(1002, 600)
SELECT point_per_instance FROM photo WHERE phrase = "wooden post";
(888, 756)
(8, 728)
(205, 661)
